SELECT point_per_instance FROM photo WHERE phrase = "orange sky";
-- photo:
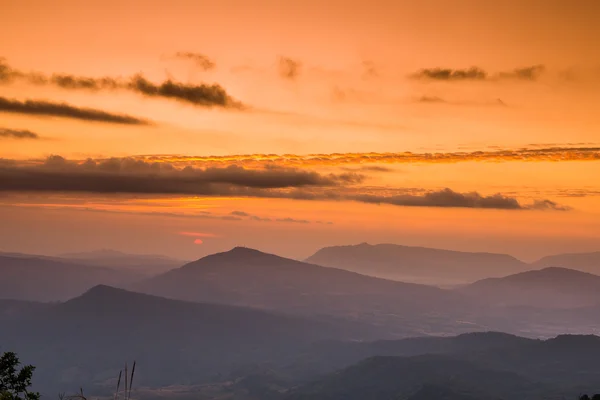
(313, 78)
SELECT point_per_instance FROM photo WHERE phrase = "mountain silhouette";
(550, 287)
(43, 279)
(390, 378)
(249, 277)
(149, 264)
(77, 342)
(587, 262)
(417, 264)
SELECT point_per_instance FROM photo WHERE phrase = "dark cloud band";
(46, 108)
(531, 73)
(205, 95)
(134, 176)
(17, 134)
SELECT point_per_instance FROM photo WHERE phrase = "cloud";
(530, 73)
(548, 205)
(527, 73)
(447, 74)
(240, 214)
(264, 219)
(17, 134)
(257, 218)
(449, 198)
(7, 73)
(64, 110)
(205, 95)
(202, 61)
(370, 70)
(289, 68)
(126, 175)
(201, 95)
(369, 168)
(294, 221)
(79, 82)
(197, 234)
(438, 100)
(431, 99)
(132, 176)
(549, 154)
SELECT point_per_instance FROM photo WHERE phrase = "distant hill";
(546, 288)
(481, 365)
(42, 279)
(587, 262)
(249, 277)
(417, 264)
(149, 264)
(399, 378)
(85, 341)
(17, 309)
(325, 357)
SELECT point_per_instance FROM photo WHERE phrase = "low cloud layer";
(530, 73)
(133, 176)
(64, 110)
(554, 154)
(6, 133)
(125, 175)
(205, 95)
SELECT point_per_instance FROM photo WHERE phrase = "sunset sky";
(188, 127)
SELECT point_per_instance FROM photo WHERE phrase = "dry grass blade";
(131, 380)
(125, 381)
(118, 385)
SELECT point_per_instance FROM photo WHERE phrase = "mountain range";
(244, 353)
(417, 264)
(44, 279)
(84, 341)
(440, 267)
(147, 264)
(551, 287)
(252, 278)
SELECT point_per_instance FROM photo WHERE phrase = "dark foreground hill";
(251, 278)
(480, 366)
(41, 279)
(85, 341)
(398, 378)
(546, 288)
(417, 264)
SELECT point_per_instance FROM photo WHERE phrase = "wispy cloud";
(205, 95)
(64, 110)
(550, 154)
(439, 100)
(293, 220)
(197, 234)
(17, 134)
(240, 214)
(200, 60)
(530, 73)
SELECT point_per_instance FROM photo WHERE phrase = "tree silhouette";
(14, 381)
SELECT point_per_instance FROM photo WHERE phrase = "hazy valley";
(244, 324)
